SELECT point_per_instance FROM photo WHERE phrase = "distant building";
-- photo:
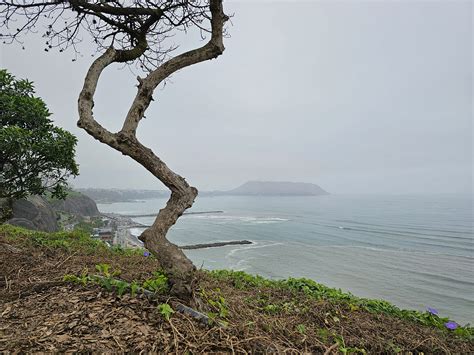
(105, 221)
(104, 234)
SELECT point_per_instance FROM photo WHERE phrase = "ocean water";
(414, 251)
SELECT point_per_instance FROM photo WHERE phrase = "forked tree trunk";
(174, 262)
(176, 265)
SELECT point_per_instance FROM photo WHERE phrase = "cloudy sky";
(356, 96)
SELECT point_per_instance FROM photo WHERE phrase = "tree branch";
(118, 11)
(210, 50)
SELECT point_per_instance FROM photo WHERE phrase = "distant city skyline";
(354, 96)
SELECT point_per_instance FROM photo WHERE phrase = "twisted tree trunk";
(176, 265)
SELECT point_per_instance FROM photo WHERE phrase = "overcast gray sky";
(356, 96)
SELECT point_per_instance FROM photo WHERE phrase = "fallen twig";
(36, 288)
(10, 248)
(63, 261)
(333, 346)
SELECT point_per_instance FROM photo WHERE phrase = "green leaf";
(165, 310)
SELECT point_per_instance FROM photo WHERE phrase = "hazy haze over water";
(356, 96)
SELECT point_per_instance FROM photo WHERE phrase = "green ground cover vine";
(242, 280)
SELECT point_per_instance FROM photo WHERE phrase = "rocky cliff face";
(34, 213)
(37, 213)
(76, 204)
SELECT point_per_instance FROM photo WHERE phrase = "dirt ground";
(39, 312)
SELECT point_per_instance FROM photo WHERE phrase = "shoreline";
(125, 238)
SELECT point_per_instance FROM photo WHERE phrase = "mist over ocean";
(414, 251)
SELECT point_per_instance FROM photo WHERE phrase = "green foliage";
(83, 279)
(272, 309)
(18, 106)
(347, 350)
(393, 348)
(88, 227)
(75, 240)
(107, 278)
(318, 291)
(84, 227)
(105, 270)
(165, 310)
(242, 280)
(121, 286)
(323, 334)
(158, 283)
(217, 302)
(274, 306)
(134, 288)
(119, 250)
(35, 155)
(109, 283)
(70, 241)
(300, 328)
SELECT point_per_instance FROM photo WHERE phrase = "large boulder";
(34, 213)
(22, 222)
(76, 204)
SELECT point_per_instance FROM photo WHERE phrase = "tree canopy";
(35, 155)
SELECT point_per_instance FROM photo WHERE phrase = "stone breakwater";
(124, 237)
(215, 245)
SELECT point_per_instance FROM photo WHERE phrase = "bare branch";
(121, 23)
(210, 50)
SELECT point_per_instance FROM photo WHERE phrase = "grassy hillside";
(65, 291)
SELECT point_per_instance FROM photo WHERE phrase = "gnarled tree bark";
(176, 265)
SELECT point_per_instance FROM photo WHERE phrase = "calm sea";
(414, 251)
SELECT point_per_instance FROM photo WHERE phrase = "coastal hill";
(250, 188)
(42, 213)
(277, 188)
(77, 204)
(118, 195)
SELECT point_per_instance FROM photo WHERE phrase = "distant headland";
(250, 188)
(277, 188)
